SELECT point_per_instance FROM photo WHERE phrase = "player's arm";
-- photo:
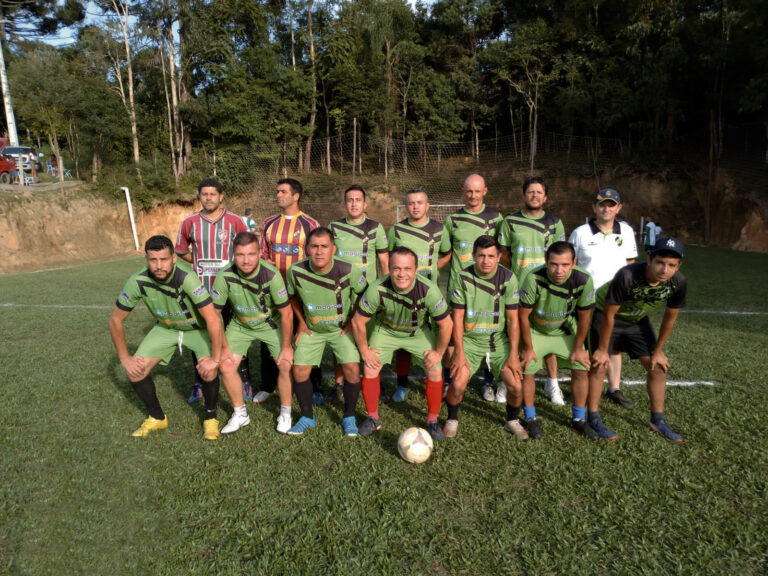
(186, 257)
(601, 356)
(383, 258)
(264, 251)
(298, 313)
(527, 355)
(443, 259)
(368, 355)
(459, 359)
(444, 330)
(658, 358)
(133, 365)
(286, 325)
(208, 366)
(579, 353)
(513, 333)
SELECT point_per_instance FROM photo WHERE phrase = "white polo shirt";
(603, 254)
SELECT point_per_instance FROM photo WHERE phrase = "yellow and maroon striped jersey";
(283, 239)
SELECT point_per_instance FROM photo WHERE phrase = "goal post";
(437, 212)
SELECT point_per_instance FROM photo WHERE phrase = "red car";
(7, 165)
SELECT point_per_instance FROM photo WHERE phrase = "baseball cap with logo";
(607, 194)
(668, 245)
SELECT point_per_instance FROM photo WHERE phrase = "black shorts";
(635, 338)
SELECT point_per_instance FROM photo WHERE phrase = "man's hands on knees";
(134, 366)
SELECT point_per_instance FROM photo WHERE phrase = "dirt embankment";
(49, 229)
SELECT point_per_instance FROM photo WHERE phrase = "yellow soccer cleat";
(150, 425)
(211, 429)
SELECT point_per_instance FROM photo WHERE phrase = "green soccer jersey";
(555, 305)
(484, 301)
(173, 303)
(427, 241)
(256, 299)
(527, 239)
(404, 312)
(636, 298)
(327, 299)
(359, 243)
(463, 228)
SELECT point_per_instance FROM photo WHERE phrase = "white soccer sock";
(285, 410)
(240, 410)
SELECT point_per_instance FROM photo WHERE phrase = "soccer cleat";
(663, 428)
(284, 423)
(555, 394)
(318, 399)
(435, 431)
(515, 428)
(196, 393)
(235, 423)
(400, 394)
(582, 427)
(601, 429)
(617, 397)
(261, 397)
(336, 394)
(501, 394)
(369, 426)
(302, 426)
(150, 425)
(533, 428)
(488, 394)
(451, 428)
(247, 392)
(211, 429)
(349, 426)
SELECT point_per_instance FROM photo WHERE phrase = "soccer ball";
(415, 445)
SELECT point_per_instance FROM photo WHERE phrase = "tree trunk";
(313, 110)
(327, 134)
(354, 146)
(170, 113)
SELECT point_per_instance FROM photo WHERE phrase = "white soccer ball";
(415, 445)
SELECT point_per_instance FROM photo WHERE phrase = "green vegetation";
(80, 496)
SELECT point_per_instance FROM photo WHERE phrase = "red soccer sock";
(371, 391)
(402, 363)
(434, 391)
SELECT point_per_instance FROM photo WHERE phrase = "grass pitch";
(80, 496)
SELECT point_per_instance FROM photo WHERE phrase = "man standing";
(185, 316)
(322, 290)
(651, 233)
(526, 235)
(484, 300)
(361, 242)
(556, 301)
(621, 323)
(464, 227)
(283, 237)
(205, 240)
(603, 246)
(402, 305)
(428, 241)
(256, 293)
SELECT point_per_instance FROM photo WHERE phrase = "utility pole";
(9, 116)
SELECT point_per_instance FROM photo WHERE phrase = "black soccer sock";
(453, 410)
(513, 412)
(316, 377)
(198, 379)
(244, 370)
(303, 391)
(351, 395)
(145, 389)
(211, 398)
(268, 370)
(402, 381)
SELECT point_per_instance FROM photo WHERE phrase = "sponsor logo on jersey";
(215, 293)
(199, 292)
(455, 294)
(312, 307)
(440, 304)
(210, 267)
(282, 293)
(124, 296)
(285, 249)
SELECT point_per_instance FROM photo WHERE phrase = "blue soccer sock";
(529, 412)
(578, 413)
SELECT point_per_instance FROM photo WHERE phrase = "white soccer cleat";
(501, 394)
(555, 394)
(261, 397)
(235, 423)
(488, 394)
(284, 423)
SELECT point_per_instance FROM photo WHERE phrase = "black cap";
(607, 194)
(668, 245)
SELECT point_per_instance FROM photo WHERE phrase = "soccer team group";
(520, 298)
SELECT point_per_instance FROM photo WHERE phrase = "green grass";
(80, 496)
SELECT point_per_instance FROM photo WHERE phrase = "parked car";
(14, 151)
(7, 166)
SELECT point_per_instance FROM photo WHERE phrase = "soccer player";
(427, 239)
(402, 305)
(185, 317)
(484, 300)
(248, 220)
(323, 293)
(556, 301)
(361, 242)
(463, 227)
(620, 322)
(526, 235)
(205, 240)
(283, 237)
(603, 246)
(261, 311)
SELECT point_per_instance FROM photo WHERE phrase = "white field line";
(60, 306)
